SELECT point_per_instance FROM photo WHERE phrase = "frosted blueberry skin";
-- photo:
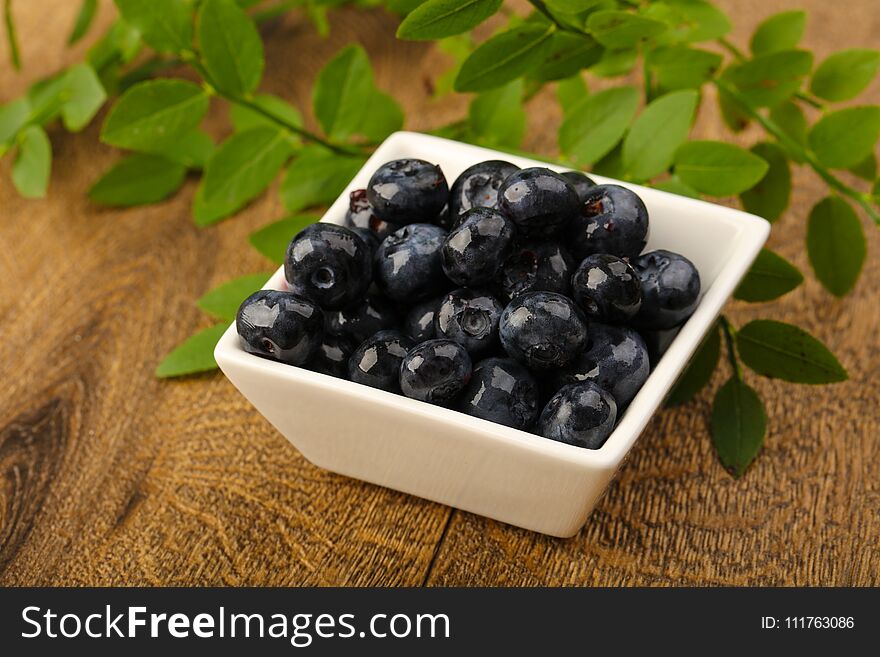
(543, 330)
(470, 317)
(328, 264)
(539, 201)
(332, 356)
(607, 289)
(581, 182)
(612, 219)
(360, 214)
(419, 321)
(535, 266)
(408, 191)
(376, 362)
(435, 371)
(280, 325)
(476, 247)
(363, 318)
(503, 391)
(616, 359)
(581, 414)
(670, 290)
(408, 266)
(477, 186)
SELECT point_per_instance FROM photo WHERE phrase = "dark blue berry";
(332, 356)
(376, 362)
(469, 317)
(474, 250)
(658, 342)
(606, 288)
(581, 414)
(581, 183)
(360, 214)
(539, 201)
(408, 191)
(328, 264)
(477, 186)
(543, 330)
(536, 267)
(419, 321)
(435, 371)
(612, 220)
(280, 325)
(503, 391)
(670, 289)
(407, 264)
(363, 318)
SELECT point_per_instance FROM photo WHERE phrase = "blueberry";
(539, 201)
(332, 356)
(280, 325)
(477, 186)
(581, 183)
(658, 342)
(407, 264)
(435, 371)
(363, 318)
(536, 267)
(607, 288)
(328, 264)
(503, 391)
(616, 360)
(612, 220)
(543, 330)
(474, 250)
(470, 318)
(376, 362)
(360, 214)
(581, 414)
(408, 191)
(419, 321)
(670, 289)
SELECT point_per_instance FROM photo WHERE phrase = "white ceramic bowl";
(469, 463)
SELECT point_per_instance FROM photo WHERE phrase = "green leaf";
(782, 351)
(571, 92)
(611, 164)
(497, 118)
(674, 185)
(769, 277)
(866, 169)
(85, 96)
(11, 36)
(717, 168)
(231, 47)
(243, 166)
(317, 177)
(13, 117)
(615, 63)
(154, 111)
(504, 57)
(844, 138)
(655, 135)
(30, 173)
(568, 55)
(83, 21)
(381, 116)
(835, 244)
(621, 29)
(571, 6)
(243, 118)
(769, 79)
(679, 67)
(689, 21)
(436, 19)
(196, 354)
(699, 370)
(191, 149)
(790, 118)
(781, 31)
(845, 74)
(165, 25)
(593, 128)
(770, 196)
(223, 301)
(46, 98)
(732, 112)
(138, 179)
(739, 424)
(272, 240)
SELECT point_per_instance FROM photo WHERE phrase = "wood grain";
(108, 476)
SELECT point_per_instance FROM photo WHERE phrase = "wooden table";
(108, 476)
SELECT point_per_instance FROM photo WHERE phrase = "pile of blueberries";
(519, 296)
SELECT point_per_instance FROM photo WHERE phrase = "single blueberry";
(670, 290)
(408, 191)
(363, 318)
(419, 321)
(607, 288)
(581, 183)
(360, 214)
(536, 267)
(376, 362)
(474, 250)
(477, 186)
(543, 330)
(332, 356)
(408, 265)
(469, 317)
(435, 371)
(503, 391)
(539, 201)
(581, 414)
(658, 342)
(280, 325)
(612, 220)
(328, 264)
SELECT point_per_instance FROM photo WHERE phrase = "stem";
(562, 25)
(729, 333)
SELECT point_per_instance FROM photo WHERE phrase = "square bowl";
(466, 462)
